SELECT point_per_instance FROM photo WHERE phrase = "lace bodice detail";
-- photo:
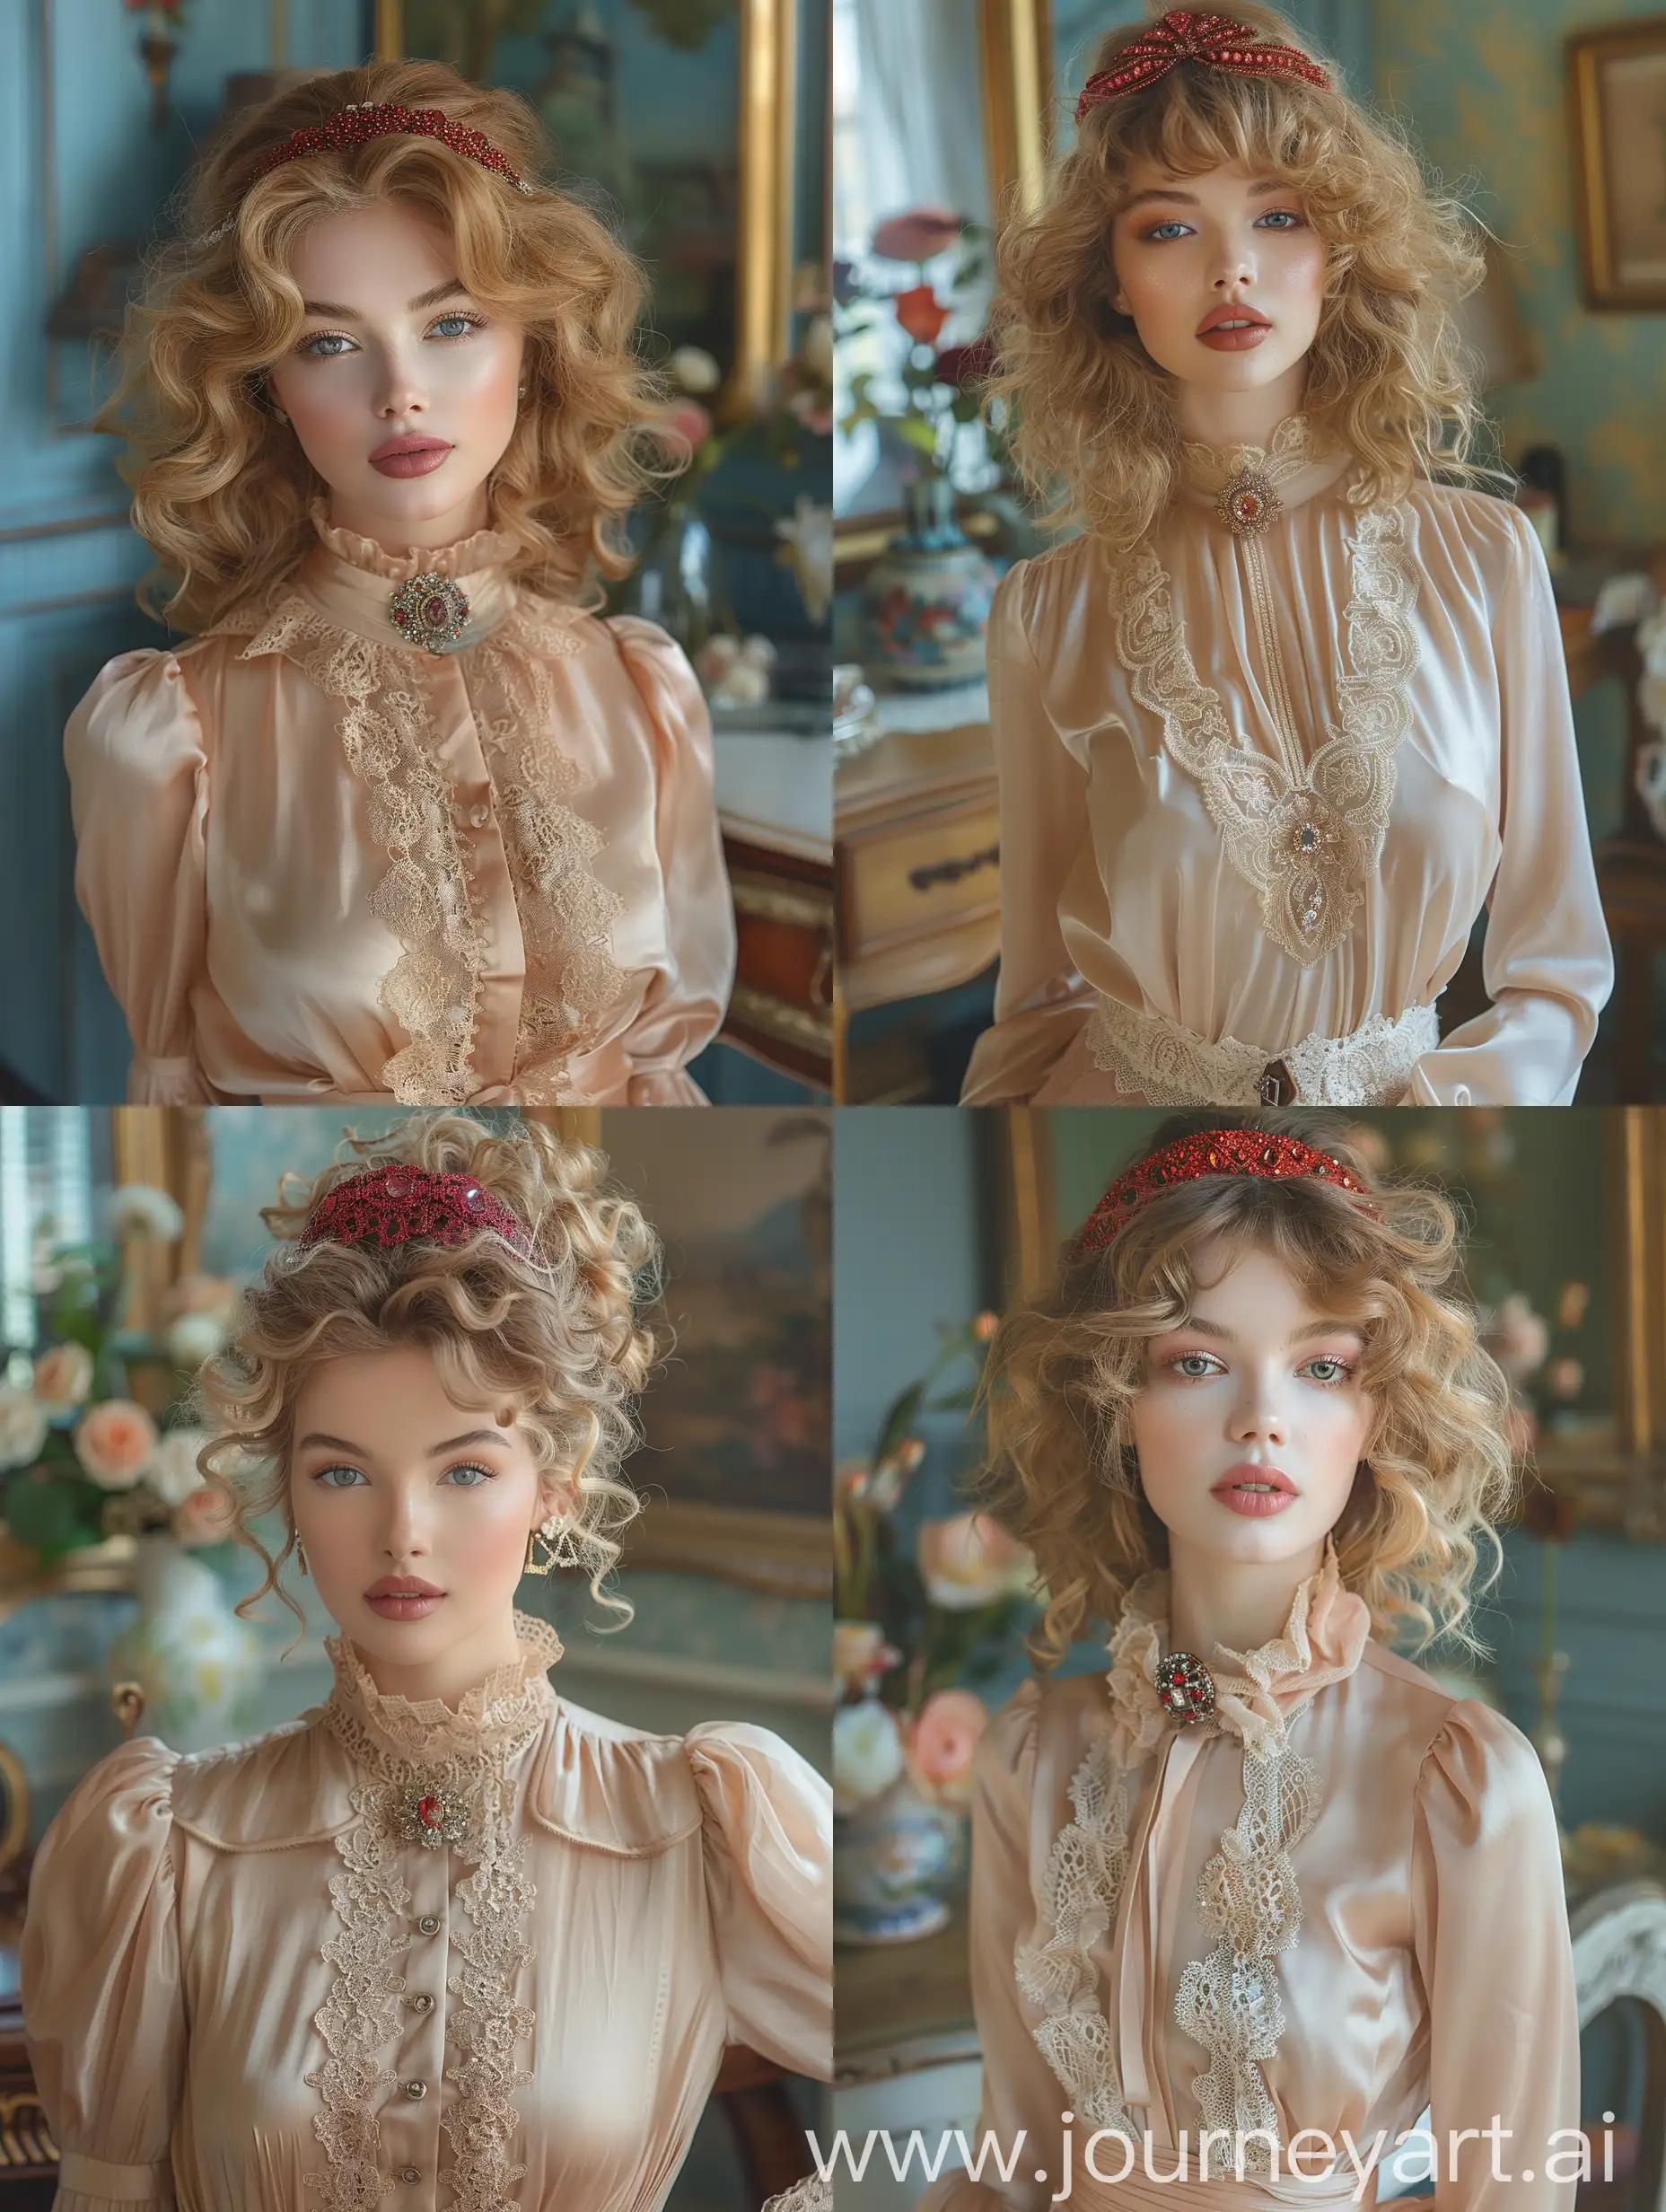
(496, 1717)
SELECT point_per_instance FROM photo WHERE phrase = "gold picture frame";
(1619, 177)
(765, 121)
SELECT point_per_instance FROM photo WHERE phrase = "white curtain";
(922, 128)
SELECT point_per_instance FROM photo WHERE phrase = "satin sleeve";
(685, 1003)
(1546, 960)
(1022, 2095)
(767, 1822)
(139, 790)
(1041, 1001)
(103, 2008)
(1491, 1937)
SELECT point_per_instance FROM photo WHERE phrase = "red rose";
(966, 365)
(921, 314)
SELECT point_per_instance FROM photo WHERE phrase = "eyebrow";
(1190, 200)
(351, 314)
(1300, 1336)
(451, 1443)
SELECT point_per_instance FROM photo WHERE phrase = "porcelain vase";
(198, 1665)
(896, 1863)
(925, 604)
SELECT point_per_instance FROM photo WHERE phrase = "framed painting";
(1617, 113)
(682, 112)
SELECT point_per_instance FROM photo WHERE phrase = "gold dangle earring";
(554, 1531)
(301, 1555)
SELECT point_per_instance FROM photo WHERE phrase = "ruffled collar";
(496, 1718)
(1255, 1692)
(353, 579)
(1298, 463)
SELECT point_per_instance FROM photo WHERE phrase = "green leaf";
(898, 1420)
(50, 1517)
(921, 436)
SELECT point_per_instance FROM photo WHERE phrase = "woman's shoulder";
(1442, 1725)
(1493, 532)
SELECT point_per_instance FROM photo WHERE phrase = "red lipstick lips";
(1254, 1491)
(413, 456)
(403, 1597)
(1232, 328)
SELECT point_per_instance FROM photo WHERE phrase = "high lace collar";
(495, 1719)
(1297, 462)
(353, 579)
(1255, 1692)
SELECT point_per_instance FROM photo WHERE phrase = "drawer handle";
(953, 871)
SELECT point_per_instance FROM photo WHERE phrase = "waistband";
(1170, 1065)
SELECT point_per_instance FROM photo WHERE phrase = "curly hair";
(554, 1338)
(1094, 431)
(220, 493)
(1437, 1473)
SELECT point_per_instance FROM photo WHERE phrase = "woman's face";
(395, 351)
(1223, 277)
(393, 1485)
(1258, 1387)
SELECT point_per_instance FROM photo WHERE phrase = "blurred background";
(701, 127)
(125, 1236)
(1544, 116)
(943, 1216)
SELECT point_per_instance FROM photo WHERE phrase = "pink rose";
(969, 1560)
(944, 1740)
(114, 1442)
(63, 1376)
(205, 1516)
(917, 236)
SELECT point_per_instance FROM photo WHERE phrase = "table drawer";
(914, 878)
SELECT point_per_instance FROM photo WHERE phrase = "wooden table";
(775, 806)
(901, 2006)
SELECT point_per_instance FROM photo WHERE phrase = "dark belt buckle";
(1278, 1085)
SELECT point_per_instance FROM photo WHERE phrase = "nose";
(401, 390)
(1260, 1416)
(404, 1533)
(1234, 264)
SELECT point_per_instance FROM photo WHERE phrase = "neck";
(426, 533)
(1242, 1603)
(1209, 418)
(449, 1675)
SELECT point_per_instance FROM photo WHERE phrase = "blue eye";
(1188, 1367)
(1161, 231)
(469, 322)
(1341, 1372)
(1283, 217)
(325, 1477)
(470, 1467)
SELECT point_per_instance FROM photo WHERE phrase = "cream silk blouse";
(1344, 1888)
(1255, 791)
(321, 862)
(282, 2000)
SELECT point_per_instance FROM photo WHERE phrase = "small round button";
(415, 2091)
(478, 816)
(410, 2173)
(429, 1924)
(423, 2004)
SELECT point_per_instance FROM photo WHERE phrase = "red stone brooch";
(430, 1816)
(431, 610)
(1186, 1687)
(1249, 505)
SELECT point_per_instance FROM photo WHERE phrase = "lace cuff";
(813, 2194)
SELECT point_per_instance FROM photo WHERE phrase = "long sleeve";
(686, 1004)
(103, 2004)
(1547, 964)
(1021, 2097)
(138, 780)
(1041, 1000)
(767, 1827)
(1491, 1937)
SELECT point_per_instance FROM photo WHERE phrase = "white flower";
(149, 1212)
(809, 536)
(192, 1338)
(693, 369)
(867, 1753)
(172, 1472)
(23, 1427)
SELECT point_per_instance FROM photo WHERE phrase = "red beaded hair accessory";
(1216, 41)
(393, 1204)
(1212, 1151)
(357, 125)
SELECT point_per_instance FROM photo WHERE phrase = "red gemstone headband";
(1212, 1151)
(393, 1204)
(1214, 40)
(357, 125)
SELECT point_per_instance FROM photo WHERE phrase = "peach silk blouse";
(1262, 788)
(1342, 1891)
(282, 2000)
(321, 862)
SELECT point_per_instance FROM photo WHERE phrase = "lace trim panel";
(427, 898)
(1308, 841)
(814, 2193)
(1169, 1065)
(1229, 2002)
(1079, 1887)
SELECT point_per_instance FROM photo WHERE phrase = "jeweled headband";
(393, 1204)
(1216, 41)
(1212, 1151)
(357, 125)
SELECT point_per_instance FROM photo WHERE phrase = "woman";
(1266, 1875)
(450, 1939)
(402, 820)
(1292, 710)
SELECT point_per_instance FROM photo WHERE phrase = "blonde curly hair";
(554, 1338)
(221, 493)
(1094, 431)
(1437, 1473)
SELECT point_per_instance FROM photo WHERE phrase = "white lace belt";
(1170, 1065)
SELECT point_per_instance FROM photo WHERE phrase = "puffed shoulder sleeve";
(1491, 1936)
(1547, 962)
(766, 1820)
(1040, 1000)
(1019, 2128)
(138, 786)
(103, 2012)
(687, 1000)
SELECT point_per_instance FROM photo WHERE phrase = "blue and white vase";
(925, 604)
(199, 1667)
